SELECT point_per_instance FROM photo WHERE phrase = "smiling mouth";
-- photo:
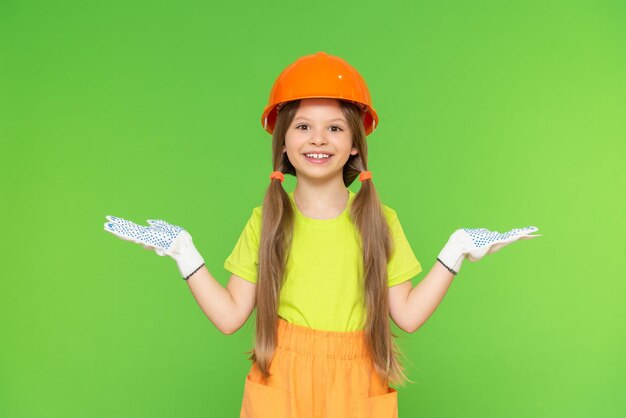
(318, 156)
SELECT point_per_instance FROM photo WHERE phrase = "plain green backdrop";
(492, 114)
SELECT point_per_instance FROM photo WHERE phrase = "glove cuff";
(189, 262)
(186, 255)
(452, 254)
(449, 269)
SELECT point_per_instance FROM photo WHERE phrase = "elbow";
(406, 324)
(224, 328)
(411, 328)
(228, 329)
(406, 327)
(231, 328)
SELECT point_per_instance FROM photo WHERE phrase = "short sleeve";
(244, 259)
(403, 264)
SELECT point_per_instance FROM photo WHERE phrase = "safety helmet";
(320, 76)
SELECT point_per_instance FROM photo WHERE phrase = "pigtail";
(276, 234)
(369, 219)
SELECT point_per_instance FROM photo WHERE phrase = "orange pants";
(318, 374)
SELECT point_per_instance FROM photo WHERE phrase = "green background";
(492, 114)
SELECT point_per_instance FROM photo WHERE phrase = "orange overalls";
(318, 374)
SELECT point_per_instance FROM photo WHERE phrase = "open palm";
(475, 243)
(161, 237)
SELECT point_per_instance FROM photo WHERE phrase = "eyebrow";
(332, 120)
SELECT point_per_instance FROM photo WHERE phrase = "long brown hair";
(276, 234)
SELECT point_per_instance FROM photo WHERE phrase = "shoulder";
(257, 215)
(255, 219)
(390, 214)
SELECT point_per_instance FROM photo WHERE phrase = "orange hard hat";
(324, 76)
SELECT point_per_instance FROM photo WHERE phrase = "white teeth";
(318, 156)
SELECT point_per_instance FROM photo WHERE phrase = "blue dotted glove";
(474, 244)
(161, 237)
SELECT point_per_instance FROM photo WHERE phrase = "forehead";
(319, 108)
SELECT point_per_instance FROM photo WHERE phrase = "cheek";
(290, 151)
(293, 143)
(347, 144)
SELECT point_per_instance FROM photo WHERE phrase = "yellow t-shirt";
(323, 285)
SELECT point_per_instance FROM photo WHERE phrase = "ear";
(284, 149)
(354, 151)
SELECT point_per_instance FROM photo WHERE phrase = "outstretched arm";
(227, 308)
(411, 307)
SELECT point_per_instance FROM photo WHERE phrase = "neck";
(321, 200)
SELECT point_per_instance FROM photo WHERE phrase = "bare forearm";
(215, 301)
(427, 295)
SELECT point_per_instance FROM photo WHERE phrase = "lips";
(317, 160)
(318, 152)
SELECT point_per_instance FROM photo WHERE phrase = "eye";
(301, 125)
(336, 128)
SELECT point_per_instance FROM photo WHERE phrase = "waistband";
(318, 343)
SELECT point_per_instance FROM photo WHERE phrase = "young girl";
(324, 267)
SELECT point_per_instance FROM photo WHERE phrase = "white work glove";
(476, 243)
(163, 238)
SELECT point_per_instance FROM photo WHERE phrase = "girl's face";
(319, 127)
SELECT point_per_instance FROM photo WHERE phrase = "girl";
(324, 267)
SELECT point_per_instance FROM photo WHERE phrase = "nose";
(318, 137)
